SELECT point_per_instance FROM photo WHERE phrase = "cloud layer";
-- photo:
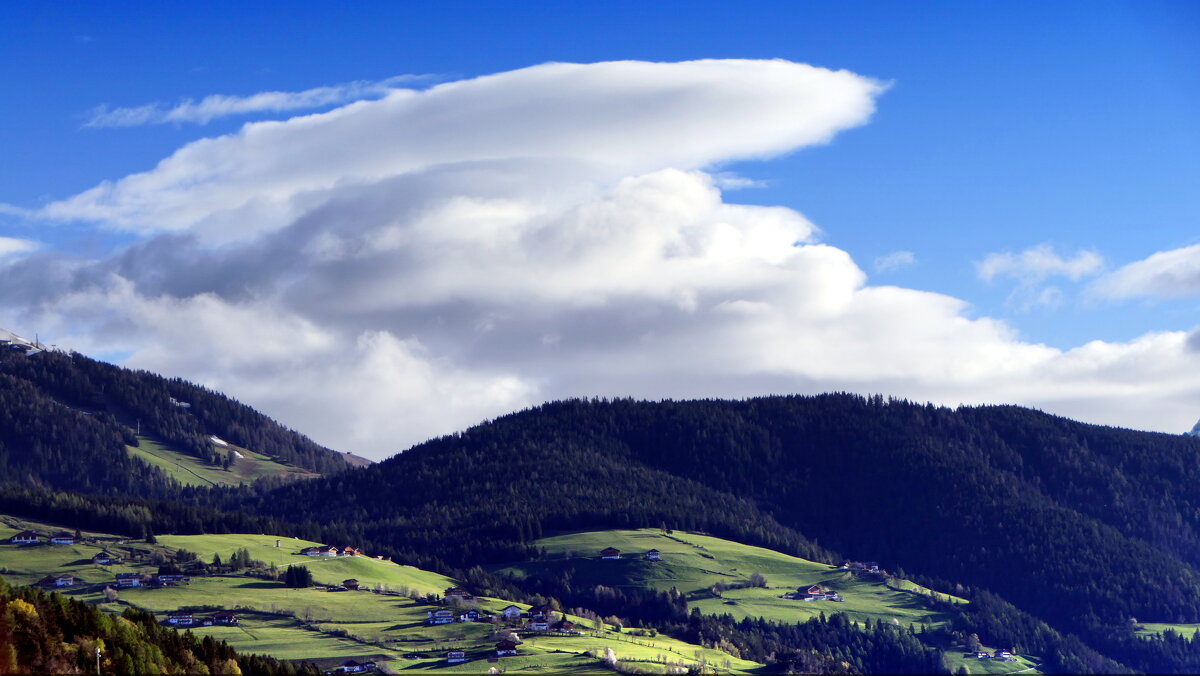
(1166, 274)
(220, 105)
(403, 267)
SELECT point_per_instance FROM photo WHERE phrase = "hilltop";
(74, 423)
(959, 496)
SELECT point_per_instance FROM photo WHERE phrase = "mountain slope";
(1101, 523)
(68, 419)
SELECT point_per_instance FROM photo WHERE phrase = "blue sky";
(1004, 126)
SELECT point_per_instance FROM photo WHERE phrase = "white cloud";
(1166, 274)
(12, 246)
(895, 261)
(589, 124)
(219, 105)
(405, 267)
(1039, 263)
(1032, 267)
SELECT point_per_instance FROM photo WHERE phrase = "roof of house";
(64, 534)
(27, 534)
(606, 550)
(506, 645)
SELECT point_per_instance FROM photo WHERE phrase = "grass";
(27, 564)
(694, 563)
(957, 658)
(191, 471)
(1147, 629)
(334, 626)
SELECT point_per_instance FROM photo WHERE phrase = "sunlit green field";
(1022, 665)
(27, 564)
(695, 563)
(190, 471)
(327, 625)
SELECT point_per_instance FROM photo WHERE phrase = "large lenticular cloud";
(403, 267)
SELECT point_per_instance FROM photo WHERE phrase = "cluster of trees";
(45, 443)
(47, 633)
(827, 645)
(297, 576)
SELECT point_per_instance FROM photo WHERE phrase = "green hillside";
(386, 625)
(192, 471)
(696, 564)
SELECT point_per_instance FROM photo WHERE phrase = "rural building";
(541, 612)
(539, 625)
(610, 553)
(311, 551)
(169, 580)
(350, 584)
(103, 559)
(456, 656)
(511, 613)
(126, 580)
(442, 616)
(62, 538)
(565, 627)
(355, 667)
(814, 591)
(225, 618)
(328, 551)
(181, 619)
(1003, 655)
(653, 555)
(349, 551)
(27, 537)
(457, 592)
(469, 616)
(506, 648)
(51, 581)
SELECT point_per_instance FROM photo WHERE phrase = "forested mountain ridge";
(67, 419)
(1083, 525)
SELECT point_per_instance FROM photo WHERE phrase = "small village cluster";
(29, 537)
(539, 619)
(999, 656)
(182, 618)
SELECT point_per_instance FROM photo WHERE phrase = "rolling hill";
(327, 627)
(964, 496)
(71, 423)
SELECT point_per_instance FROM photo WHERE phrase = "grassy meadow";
(190, 471)
(332, 626)
(694, 564)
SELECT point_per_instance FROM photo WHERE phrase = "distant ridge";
(1195, 430)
